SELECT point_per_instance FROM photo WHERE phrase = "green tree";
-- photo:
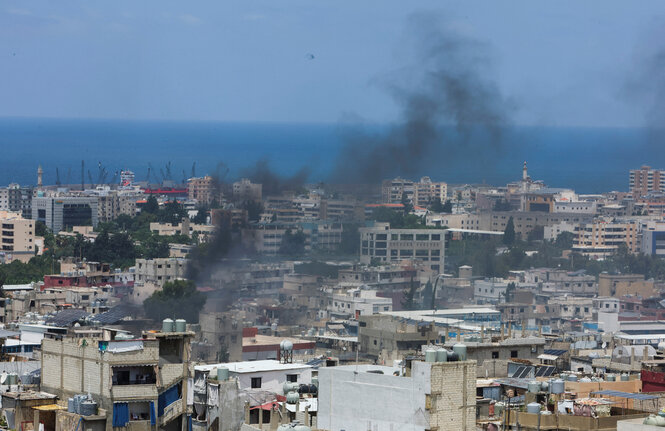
(436, 206)
(177, 299)
(447, 207)
(151, 206)
(201, 216)
(408, 206)
(408, 296)
(509, 233)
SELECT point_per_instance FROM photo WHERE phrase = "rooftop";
(253, 366)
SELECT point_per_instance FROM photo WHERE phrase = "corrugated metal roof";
(113, 315)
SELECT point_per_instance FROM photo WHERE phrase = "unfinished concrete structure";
(140, 383)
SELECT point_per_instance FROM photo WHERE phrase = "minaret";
(40, 173)
(524, 174)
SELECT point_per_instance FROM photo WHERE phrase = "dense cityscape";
(213, 305)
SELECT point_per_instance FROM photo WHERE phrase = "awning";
(547, 357)
(49, 407)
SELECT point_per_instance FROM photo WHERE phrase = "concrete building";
(618, 285)
(552, 232)
(433, 396)
(201, 189)
(266, 238)
(385, 244)
(203, 232)
(584, 207)
(645, 180)
(220, 332)
(420, 193)
(245, 190)
(525, 222)
(357, 302)
(160, 270)
(603, 237)
(490, 290)
(264, 375)
(62, 213)
(139, 383)
(17, 199)
(17, 237)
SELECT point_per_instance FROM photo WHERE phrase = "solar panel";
(67, 317)
(554, 352)
(518, 371)
(544, 371)
(113, 315)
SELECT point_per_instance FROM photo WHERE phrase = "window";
(256, 382)
(406, 237)
(513, 353)
(292, 378)
(375, 342)
(495, 355)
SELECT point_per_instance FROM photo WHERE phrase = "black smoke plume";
(450, 110)
(273, 183)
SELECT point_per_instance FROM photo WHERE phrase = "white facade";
(490, 290)
(272, 374)
(358, 302)
(551, 233)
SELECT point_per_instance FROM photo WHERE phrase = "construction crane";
(148, 177)
(168, 171)
(57, 177)
(92, 185)
(193, 170)
(69, 175)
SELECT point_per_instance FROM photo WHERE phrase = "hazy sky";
(562, 62)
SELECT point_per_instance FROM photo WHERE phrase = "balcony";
(134, 392)
(172, 411)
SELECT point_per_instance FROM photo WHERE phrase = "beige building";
(17, 238)
(603, 237)
(201, 189)
(202, 231)
(135, 382)
(617, 285)
(645, 180)
(420, 193)
(160, 270)
(245, 190)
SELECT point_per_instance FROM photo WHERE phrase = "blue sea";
(590, 160)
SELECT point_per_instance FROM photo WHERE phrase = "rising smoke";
(449, 109)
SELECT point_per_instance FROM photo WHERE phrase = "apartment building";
(601, 238)
(202, 231)
(245, 190)
(139, 384)
(159, 271)
(420, 193)
(17, 238)
(645, 180)
(201, 189)
(266, 238)
(17, 199)
(385, 244)
(525, 222)
(63, 212)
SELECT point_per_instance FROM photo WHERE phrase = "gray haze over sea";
(590, 160)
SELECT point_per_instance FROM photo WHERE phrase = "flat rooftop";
(269, 340)
(254, 366)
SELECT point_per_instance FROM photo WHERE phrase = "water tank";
(313, 389)
(498, 409)
(611, 378)
(286, 345)
(168, 325)
(533, 386)
(572, 378)
(557, 386)
(300, 427)
(222, 374)
(88, 408)
(303, 389)
(585, 380)
(460, 349)
(181, 325)
(430, 355)
(533, 408)
(284, 427)
(70, 405)
(12, 379)
(292, 397)
(661, 346)
(442, 355)
(544, 386)
(290, 387)
(26, 379)
(453, 357)
(624, 377)
(315, 381)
